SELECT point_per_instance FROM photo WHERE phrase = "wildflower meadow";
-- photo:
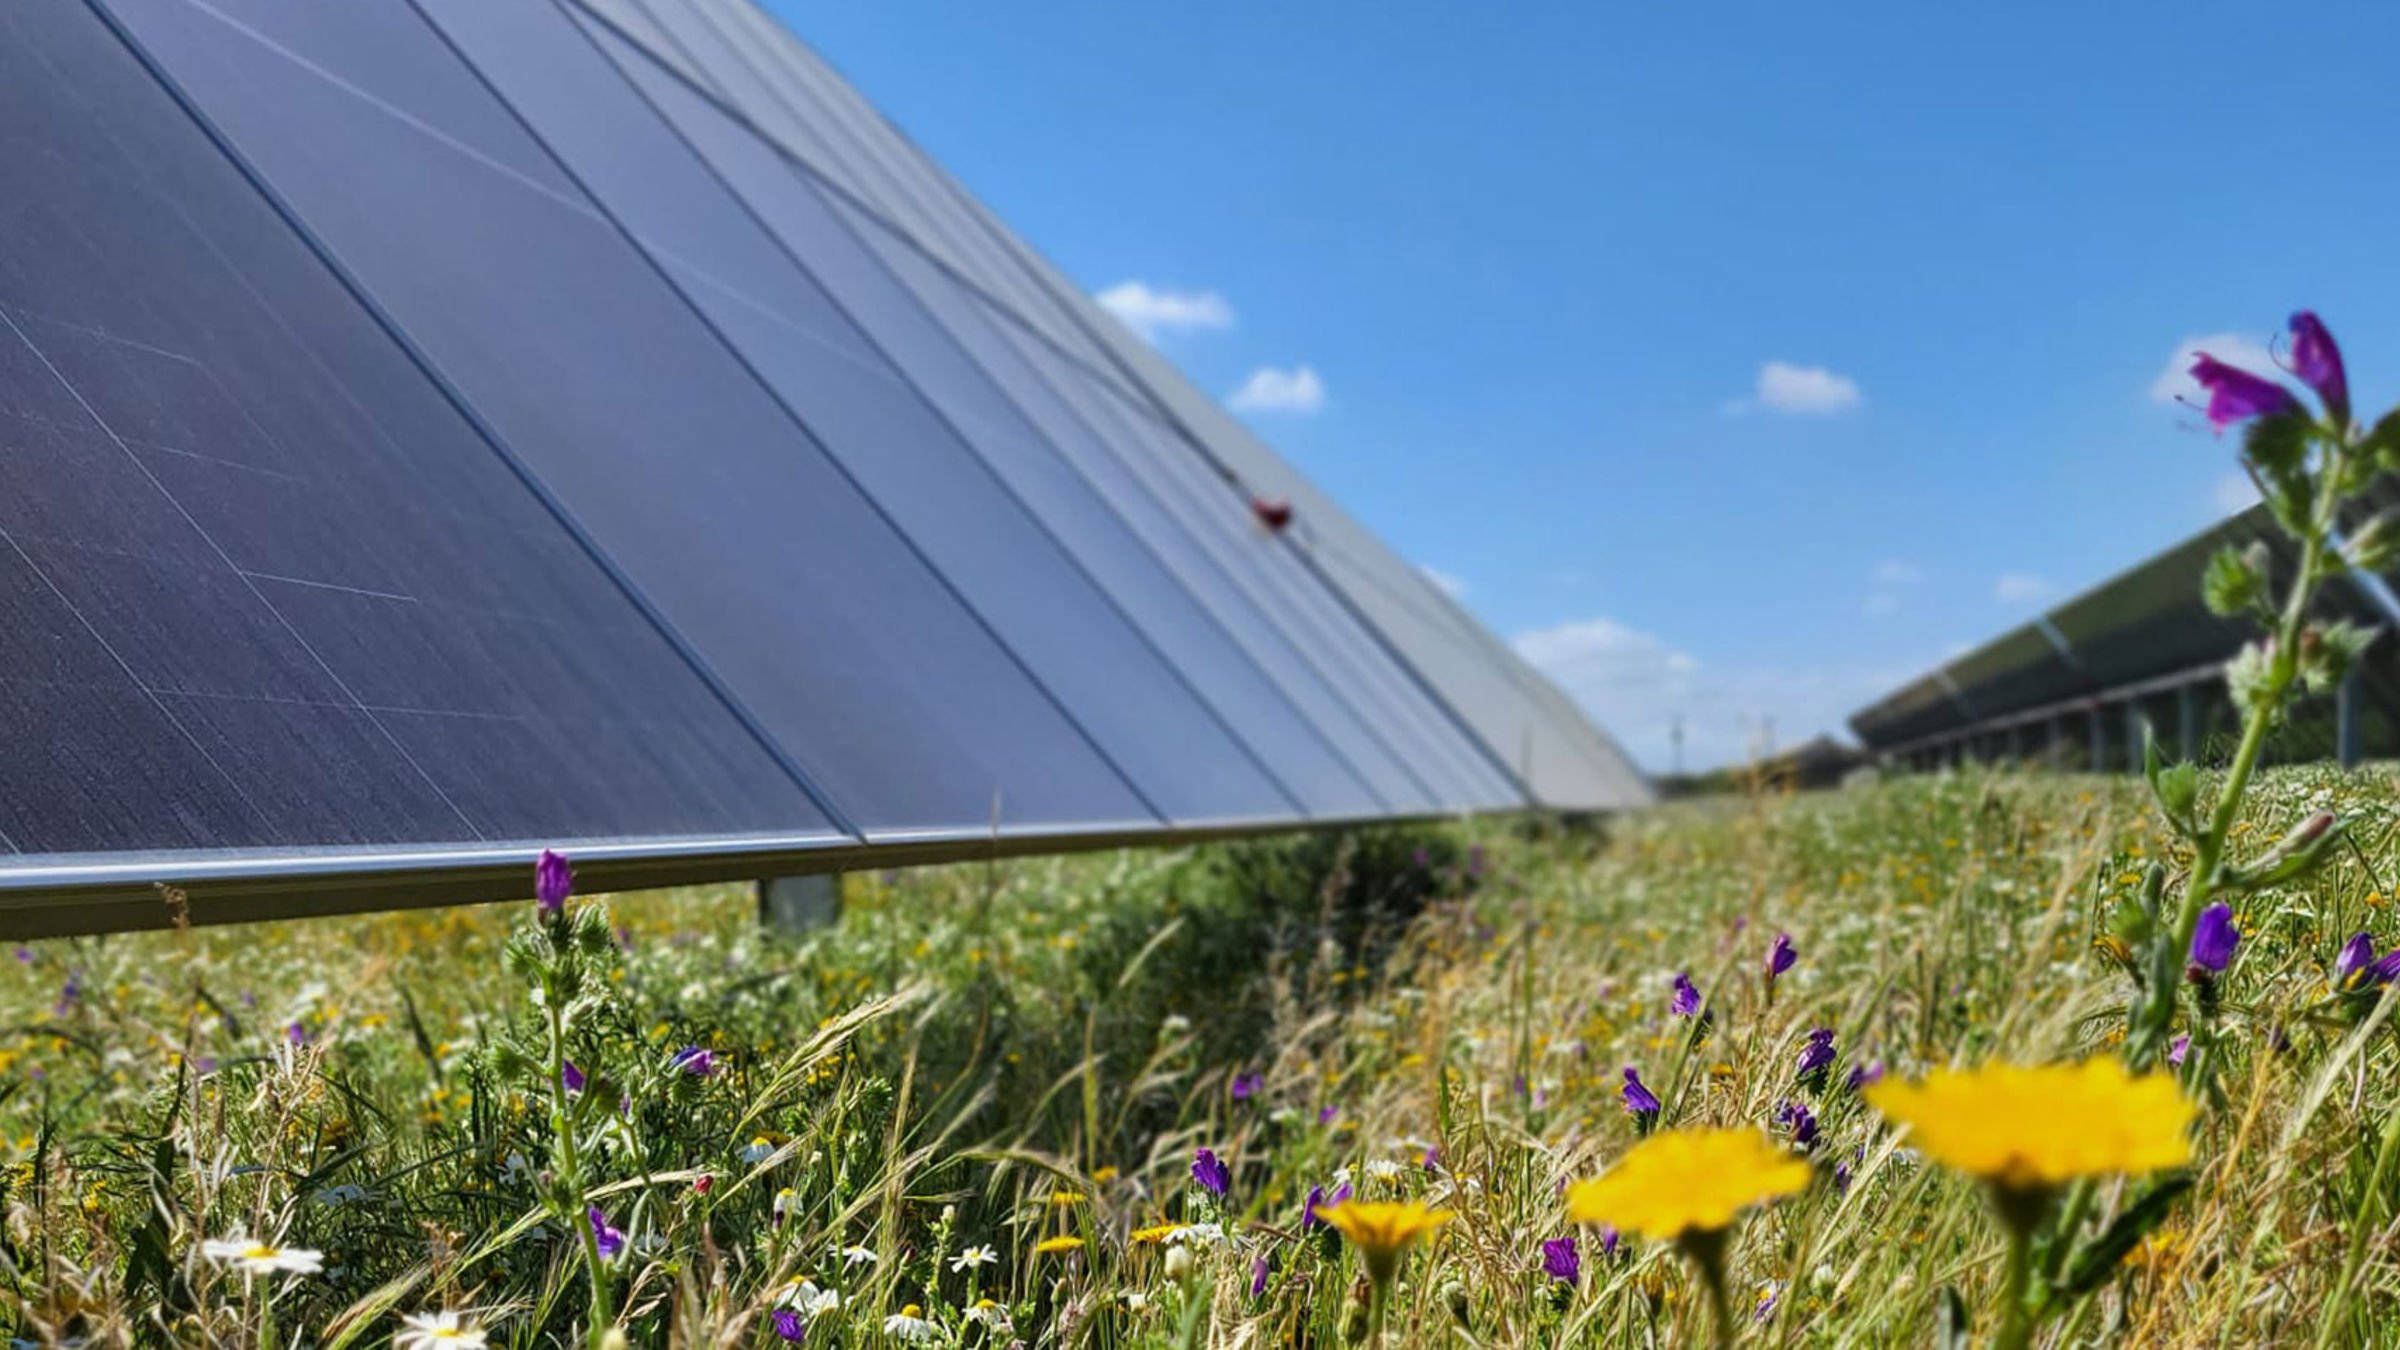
(1998, 1056)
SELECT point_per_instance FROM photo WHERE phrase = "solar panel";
(433, 429)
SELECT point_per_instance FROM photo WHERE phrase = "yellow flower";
(1049, 1246)
(1382, 1230)
(1157, 1232)
(2028, 1129)
(1685, 1181)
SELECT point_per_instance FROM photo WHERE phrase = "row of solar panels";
(2139, 626)
(432, 427)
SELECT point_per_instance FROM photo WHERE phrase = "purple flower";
(2318, 363)
(2236, 395)
(1608, 1240)
(789, 1326)
(611, 1240)
(1780, 956)
(1325, 1114)
(553, 882)
(2388, 968)
(1258, 1276)
(24, 956)
(1863, 1074)
(67, 994)
(1560, 1262)
(1796, 1117)
(570, 1077)
(296, 1034)
(2356, 962)
(698, 1061)
(1433, 1157)
(1687, 995)
(1211, 1172)
(1841, 1177)
(1247, 1085)
(1317, 1199)
(2213, 940)
(2182, 1046)
(1638, 1099)
(1816, 1056)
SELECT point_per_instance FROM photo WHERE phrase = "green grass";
(997, 1056)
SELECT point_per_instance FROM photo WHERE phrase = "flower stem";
(2016, 1324)
(2337, 1309)
(570, 1171)
(1706, 1248)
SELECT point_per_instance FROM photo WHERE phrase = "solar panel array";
(436, 428)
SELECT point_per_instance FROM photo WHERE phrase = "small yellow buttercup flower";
(1381, 1230)
(1687, 1181)
(2027, 1129)
(1156, 1232)
(1051, 1246)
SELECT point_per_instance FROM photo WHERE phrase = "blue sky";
(1738, 361)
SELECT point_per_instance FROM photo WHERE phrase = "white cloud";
(1801, 391)
(2175, 382)
(2234, 492)
(2019, 588)
(1155, 312)
(1452, 585)
(1641, 689)
(1297, 390)
(1884, 584)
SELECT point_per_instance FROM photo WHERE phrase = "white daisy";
(804, 1297)
(909, 1324)
(1383, 1169)
(988, 1314)
(261, 1258)
(1213, 1234)
(973, 1257)
(858, 1256)
(758, 1150)
(445, 1330)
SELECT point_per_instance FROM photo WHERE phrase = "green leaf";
(2277, 445)
(1951, 1325)
(2231, 584)
(2097, 1259)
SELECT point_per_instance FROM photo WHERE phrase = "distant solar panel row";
(430, 428)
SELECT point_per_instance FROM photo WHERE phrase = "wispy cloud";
(1647, 692)
(1297, 390)
(1884, 585)
(1451, 584)
(2019, 588)
(1798, 391)
(2174, 382)
(2234, 492)
(1153, 312)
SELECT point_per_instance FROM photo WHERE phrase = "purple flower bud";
(1608, 1240)
(296, 1034)
(2214, 939)
(1318, 1199)
(1638, 1099)
(1863, 1074)
(1816, 1055)
(2236, 395)
(1687, 995)
(1780, 956)
(2387, 969)
(570, 1077)
(1247, 1085)
(2356, 964)
(1560, 1262)
(611, 1240)
(1841, 1177)
(1797, 1118)
(1212, 1173)
(553, 882)
(2181, 1047)
(2318, 363)
(698, 1061)
(1258, 1276)
(789, 1326)
(1325, 1114)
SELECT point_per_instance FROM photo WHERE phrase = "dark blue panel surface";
(849, 651)
(215, 469)
(860, 398)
